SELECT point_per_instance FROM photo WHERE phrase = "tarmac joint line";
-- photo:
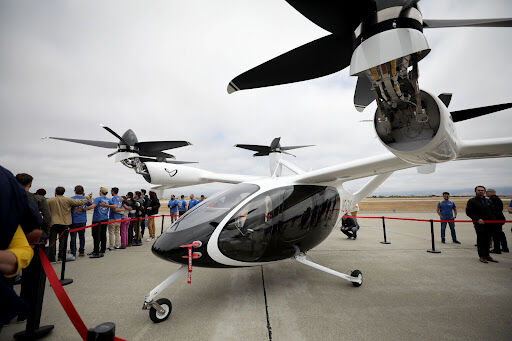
(269, 327)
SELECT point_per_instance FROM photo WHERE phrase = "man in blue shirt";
(192, 202)
(447, 211)
(182, 205)
(173, 207)
(78, 219)
(100, 217)
(114, 231)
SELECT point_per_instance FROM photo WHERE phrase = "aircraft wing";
(483, 149)
(357, 169)
(467, 150)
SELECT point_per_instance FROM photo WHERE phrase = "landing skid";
(161, 309)
(356, 277)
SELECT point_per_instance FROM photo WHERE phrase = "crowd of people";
(123, 218)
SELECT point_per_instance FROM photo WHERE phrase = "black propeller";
(129, 143)
(333, 52)
(275, 147)
(466, 114)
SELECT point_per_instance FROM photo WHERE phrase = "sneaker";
(443, 240)
(456, 242)
(149, 239)
(117, 248)
(95, 255)
(81, 254)
(70, 257)
(504, 250)
(102, 254)
(109, 249)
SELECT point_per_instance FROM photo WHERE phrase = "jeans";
(452, 229)
(99, 236)
(81, 237)
(352, 232)
(55, 231)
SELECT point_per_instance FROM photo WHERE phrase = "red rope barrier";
(437, 220)
(63, 297)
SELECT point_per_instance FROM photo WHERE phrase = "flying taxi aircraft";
(268, 219)
(381, 40)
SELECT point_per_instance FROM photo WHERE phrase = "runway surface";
(407, 293)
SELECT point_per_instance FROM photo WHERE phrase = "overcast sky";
(161, 68)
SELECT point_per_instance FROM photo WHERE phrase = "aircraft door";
(248, 234)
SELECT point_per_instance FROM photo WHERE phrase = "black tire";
(157, 317)
(356, 273)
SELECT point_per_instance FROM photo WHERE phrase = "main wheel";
(157, 317)
(356, 273)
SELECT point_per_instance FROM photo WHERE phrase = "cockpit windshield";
(214, 208)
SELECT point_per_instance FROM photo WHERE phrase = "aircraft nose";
(169, 245)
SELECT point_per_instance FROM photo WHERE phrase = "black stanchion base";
(433, 251)
(36, 334)
(385, 242)
(65, 281)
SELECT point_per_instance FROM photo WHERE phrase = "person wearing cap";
(447, 210)
(60, 209)
(100, 217)
(203, 198)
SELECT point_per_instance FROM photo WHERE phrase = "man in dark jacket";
(42, 205)
(349, 226)
(480, 209)
(498, 236)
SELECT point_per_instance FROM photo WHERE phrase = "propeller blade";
(295, 147)
(275, 143)
(363, 95)
(341, 17)
(446, 98)
(102, 144)
(261, 154)
(156, 146)
(318, 58)
(254, 147)
(466, 114)
(147, 159)
(288, 154)
(433, 23)
(114, 133)
(156, 154)
(408, 4)
(112, 154)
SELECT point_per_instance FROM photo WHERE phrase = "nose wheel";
(161, 311)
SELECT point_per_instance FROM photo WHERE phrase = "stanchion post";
(34, 276)
(162, 230)
(433, 250)
(103, 332)
(384, 229)
(65, 281)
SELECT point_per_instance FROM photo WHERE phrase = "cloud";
(161, 69)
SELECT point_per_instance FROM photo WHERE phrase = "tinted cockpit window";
(214, 208)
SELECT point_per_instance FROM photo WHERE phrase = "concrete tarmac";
(407, 294)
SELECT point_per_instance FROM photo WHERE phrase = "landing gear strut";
(356, 277)
(161, 309)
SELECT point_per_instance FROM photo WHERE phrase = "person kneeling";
(349, 226)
